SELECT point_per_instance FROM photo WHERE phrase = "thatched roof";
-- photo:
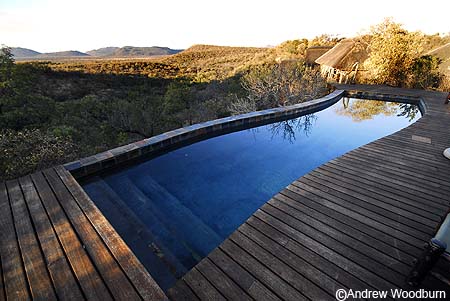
(442, 52)
(314, 52)
(344, 54)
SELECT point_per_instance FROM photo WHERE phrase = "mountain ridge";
(133, 51)
(105, 52)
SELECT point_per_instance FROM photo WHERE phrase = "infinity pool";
(174, 209)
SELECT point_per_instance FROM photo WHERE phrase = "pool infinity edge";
(127, 154)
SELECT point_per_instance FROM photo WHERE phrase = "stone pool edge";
(122, 155)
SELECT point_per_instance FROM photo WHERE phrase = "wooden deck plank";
(403, 183)
(370, 278)
(306, 202)
(396, 159)
(350, 173)
(339, 235)
(417, 134)
(352, 195)
(241, 277)
(309, 271)
(321, 263)
(373, 242)
(49, 249)
(35, 267)
(60, 272)
(432, 172)
(412, 147)
(306, 287)
(2, 287)
(139, 276)
(397, 151)
(391, 204)
(119, 285)
(423, 149)
(347, 240)
(378, 151)
(262, 273)
(182, 292)
(406, 197)
(229, 289)
(87, 276)
(336, 244)
(396, 229)
(362, 205)
(201, 286)
(372, 166)
(420, 149)
(436, 168)
(436, 140)
(14, 276)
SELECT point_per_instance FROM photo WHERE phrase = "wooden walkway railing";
(56, 244)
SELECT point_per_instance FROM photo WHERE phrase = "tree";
(6, 69)
(424, 72)
(294, 48)
(392, 52)
(179, 104)
(280, 84)
(324, 40)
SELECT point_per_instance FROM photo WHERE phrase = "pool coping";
(127, 154)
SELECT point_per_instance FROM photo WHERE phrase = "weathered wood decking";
(55, 244)
(356, 222)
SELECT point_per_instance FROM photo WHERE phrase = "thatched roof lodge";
(342, 62)
(443, 53)
(314, 52)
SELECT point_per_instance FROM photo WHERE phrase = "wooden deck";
(55, 244)
(356, 222)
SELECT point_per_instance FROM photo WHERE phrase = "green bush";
(26, 151)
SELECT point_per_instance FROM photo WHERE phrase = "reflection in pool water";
(174, 209)
(361, 109)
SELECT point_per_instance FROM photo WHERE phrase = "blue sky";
(52, 25)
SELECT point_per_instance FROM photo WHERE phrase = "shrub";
(27, 151)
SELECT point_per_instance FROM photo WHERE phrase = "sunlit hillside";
(199, 63)
(216, 61)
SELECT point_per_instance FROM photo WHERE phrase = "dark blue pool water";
(174, 209)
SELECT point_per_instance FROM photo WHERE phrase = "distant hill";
(105, 51)
(70, 53)
(24, 54)
(130, 51)
(19, 52)
(443, 52)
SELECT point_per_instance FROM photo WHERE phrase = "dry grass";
(201, 63)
